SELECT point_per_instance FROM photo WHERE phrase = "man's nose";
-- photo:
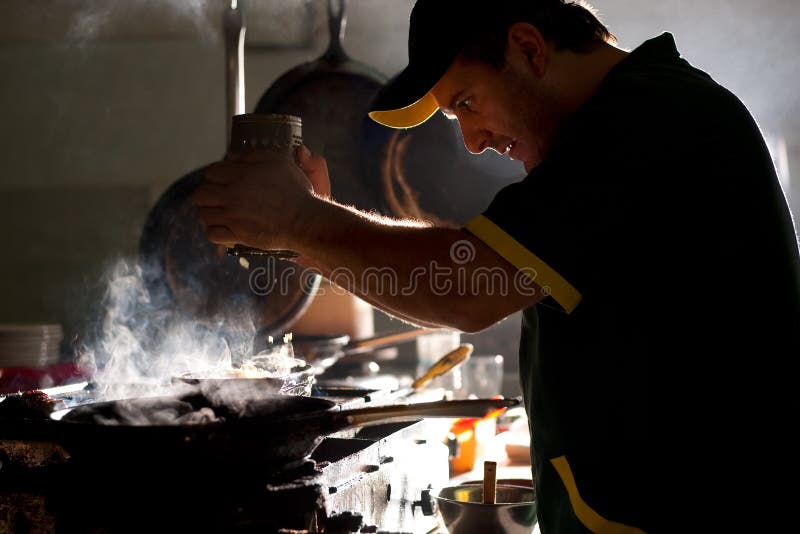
(475, 139)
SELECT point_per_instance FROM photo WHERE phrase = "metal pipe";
(234, 29)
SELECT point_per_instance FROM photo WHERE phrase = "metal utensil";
(323, 351)
(299, 381)
(246, 252)
(489, 482)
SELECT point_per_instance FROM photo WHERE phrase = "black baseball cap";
(438, 32)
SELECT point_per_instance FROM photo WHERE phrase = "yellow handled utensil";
(444, 365)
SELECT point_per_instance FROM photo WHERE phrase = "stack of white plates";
(30, 345)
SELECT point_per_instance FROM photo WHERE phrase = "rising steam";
(141, 341)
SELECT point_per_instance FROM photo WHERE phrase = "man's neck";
(580, 74)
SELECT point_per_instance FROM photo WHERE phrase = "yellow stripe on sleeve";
(523, 259)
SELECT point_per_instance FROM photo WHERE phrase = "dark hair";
(569, 25)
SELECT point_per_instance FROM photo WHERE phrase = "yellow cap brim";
(409, 116)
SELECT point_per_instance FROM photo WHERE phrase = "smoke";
(95, 19)
(141, 341)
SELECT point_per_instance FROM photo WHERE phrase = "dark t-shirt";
(657, 374)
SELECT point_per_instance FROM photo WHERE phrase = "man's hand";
(259, 198)
(316, 169)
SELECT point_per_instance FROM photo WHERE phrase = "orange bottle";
(468, 438)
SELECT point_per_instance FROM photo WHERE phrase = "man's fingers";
(227, 171)
(233, 155)
(260, 156)
(220, 235)
(212, 216)
(310, 162)
(255, 156)
(219, 173)
(316, 169)
(303, 154)
(210, 195)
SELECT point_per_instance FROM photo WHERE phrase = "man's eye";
(465, 104)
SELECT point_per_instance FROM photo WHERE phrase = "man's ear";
(528, 44)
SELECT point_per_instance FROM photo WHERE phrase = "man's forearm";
(430, 276)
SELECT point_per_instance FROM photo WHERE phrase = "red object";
(15, 379)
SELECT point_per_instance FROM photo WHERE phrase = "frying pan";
(270, 433)
(298, 381)
(301, 380)
(184, 271)
(332, 94)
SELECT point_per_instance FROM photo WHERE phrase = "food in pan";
(144, 412)
(277, 361)
(33, 404)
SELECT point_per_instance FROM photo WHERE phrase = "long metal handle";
(233, 25)
(457, 408)
(382, 340)
(337, 23)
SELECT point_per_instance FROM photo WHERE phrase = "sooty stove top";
(375, 479)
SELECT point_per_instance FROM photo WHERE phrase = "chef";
(650, 248)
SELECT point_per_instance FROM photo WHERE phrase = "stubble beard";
(536, 114)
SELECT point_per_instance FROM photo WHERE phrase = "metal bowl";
(463, 512)
(299, 381)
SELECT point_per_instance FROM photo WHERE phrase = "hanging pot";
(332, 94)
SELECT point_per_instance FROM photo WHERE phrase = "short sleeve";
(558, 226)
(516, 226)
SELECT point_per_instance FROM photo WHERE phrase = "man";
(650, 247)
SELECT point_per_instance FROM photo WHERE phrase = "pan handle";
(457, 408)
(382, 340)
(337, 23)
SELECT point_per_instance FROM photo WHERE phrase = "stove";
(372, 479)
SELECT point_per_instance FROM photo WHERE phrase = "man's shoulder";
(656, 78)
(661, 98)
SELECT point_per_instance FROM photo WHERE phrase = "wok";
(298, 381)
(301, 380)
(270, 433)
